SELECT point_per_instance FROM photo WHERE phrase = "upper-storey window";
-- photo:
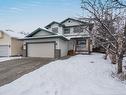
(78, 29)
(55, 30)
(66, 30)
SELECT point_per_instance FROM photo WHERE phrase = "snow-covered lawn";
(78, 75)
(7, 58)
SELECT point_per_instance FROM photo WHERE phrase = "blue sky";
(27, 15)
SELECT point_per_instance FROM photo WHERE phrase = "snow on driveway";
(7, 58)
(78, 75)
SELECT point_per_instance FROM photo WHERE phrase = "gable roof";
(38, 30)
(61, 23)
(86, 23)
(54, 22)
(54, 35)
(13, 34)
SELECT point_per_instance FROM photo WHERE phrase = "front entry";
(80, 45)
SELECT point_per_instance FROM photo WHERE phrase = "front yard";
(78, 75)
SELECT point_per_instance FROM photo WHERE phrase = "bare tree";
(110, 29)
(119, 3)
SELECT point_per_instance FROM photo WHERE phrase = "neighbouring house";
(10, 45)
(58, 38)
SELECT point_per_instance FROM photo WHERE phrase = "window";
(81, 45)
(81, 42)
(78, 29)
(55, 30)
(66, 30)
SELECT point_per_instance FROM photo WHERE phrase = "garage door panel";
(40, 50)
(4, 50)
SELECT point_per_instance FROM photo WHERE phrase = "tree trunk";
(89, 52)
(113, 58)
(119, 64)
(106, 54)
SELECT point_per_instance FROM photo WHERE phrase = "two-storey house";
(59, 38)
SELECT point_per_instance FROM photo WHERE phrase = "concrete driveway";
(12, 69)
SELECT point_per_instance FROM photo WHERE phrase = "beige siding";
(5, 39)
(16, 47)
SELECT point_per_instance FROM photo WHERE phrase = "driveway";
(12, 69)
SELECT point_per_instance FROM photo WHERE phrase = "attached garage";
(46, 44)
(4, 50)
(41, 49)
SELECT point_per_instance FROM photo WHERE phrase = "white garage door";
(40, 50)
(4, 50)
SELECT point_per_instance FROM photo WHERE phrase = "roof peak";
(47, 26)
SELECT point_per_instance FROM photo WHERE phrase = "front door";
(80, 45)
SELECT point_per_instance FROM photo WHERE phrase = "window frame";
(67, 31)
(55, 28)
(78, 29)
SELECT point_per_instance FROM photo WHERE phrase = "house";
(10, 45)
(58, 38)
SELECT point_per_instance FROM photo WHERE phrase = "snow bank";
(78, 75)
(7, 58)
